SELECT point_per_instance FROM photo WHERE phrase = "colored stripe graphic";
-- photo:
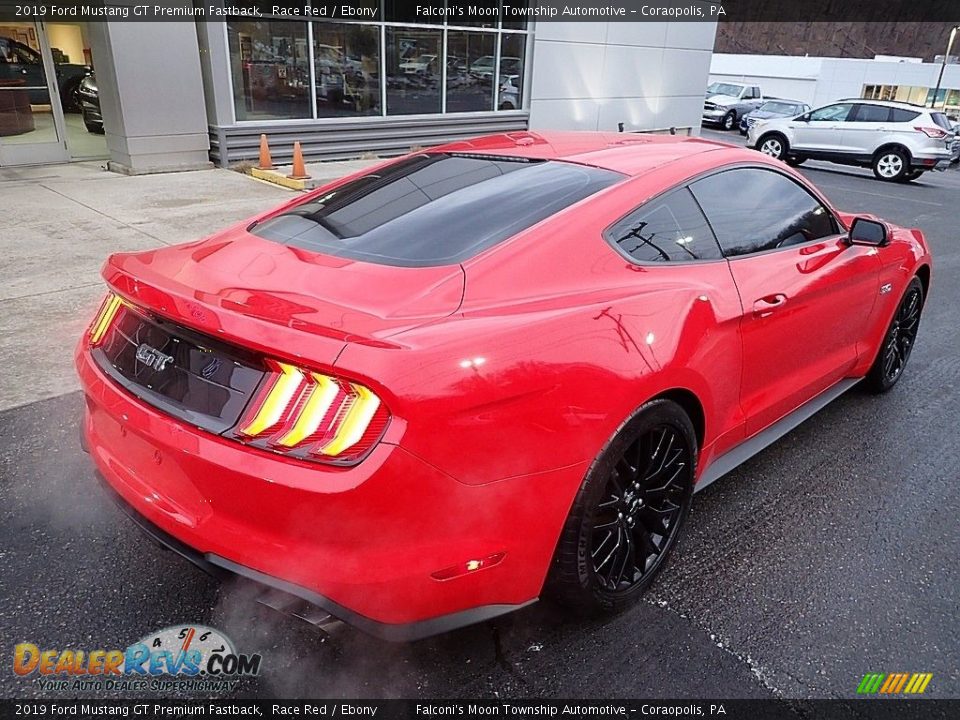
(894, 683)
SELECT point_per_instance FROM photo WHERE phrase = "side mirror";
(804, 118)
(868, 232)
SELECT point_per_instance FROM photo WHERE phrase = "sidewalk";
(60, 224)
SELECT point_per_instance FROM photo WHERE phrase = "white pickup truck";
(727, 102)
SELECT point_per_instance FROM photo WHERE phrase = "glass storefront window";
(413, 70)
(364, 69)
(470, 58)
(346, 64)
(270, 68)
(512, 52)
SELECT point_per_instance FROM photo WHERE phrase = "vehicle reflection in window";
(346, 60)
(413, 71)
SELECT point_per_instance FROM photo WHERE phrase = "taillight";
(313, 416)
(932, 132)
(104, 317)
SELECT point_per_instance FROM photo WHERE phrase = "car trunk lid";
(280, 300)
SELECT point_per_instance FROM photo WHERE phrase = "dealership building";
(821, 80)
(184, 94)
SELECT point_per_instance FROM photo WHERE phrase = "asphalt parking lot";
(832, 554)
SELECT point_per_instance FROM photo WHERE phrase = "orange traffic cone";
(266, 163)
(299, 171)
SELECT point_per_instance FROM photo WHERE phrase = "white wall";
(819, 81)
(594, 75)
(793, 78)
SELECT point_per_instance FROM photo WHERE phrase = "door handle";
(766, 306)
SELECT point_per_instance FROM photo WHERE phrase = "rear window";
(434, 209)
(942, 120)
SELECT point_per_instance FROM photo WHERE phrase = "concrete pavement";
(61, 222)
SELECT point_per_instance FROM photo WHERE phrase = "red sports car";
(431, 392)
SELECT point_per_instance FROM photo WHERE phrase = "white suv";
(899, 141)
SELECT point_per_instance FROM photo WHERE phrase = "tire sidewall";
(589, 596)
(779, 138)
(729, 121)
(904, 169)
(876, 379)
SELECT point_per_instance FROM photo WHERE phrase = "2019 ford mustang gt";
(431, 392)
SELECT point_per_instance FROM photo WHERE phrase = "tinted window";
(752, 210)
(837, 113)
(670, 227)
(871, 113)
(898, 115)
(434, 209)
(940, 119)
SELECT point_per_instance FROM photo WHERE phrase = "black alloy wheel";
(899, 340)
(628, 512)
(640, 515)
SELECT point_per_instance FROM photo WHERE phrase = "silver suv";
(899, 141)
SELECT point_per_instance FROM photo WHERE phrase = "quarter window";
(668, 228)
(754, 210)
(836, 113)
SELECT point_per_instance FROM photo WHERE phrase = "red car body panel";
(504, 375)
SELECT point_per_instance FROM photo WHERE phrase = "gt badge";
(152, 357)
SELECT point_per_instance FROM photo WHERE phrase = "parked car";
(483, 66)
(509, 92)
(420, 65)
(772, 109)
(898, 140)
(19, 62)
(727, 102)
(420, 414)
(88, 97)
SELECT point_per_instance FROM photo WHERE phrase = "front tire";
(628, 512)
(898, 341)
(891, 165)
(775, 145)
(729, 120)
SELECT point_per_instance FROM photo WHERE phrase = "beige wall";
(68, 38)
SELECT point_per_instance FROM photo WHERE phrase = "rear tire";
(775, 145)
(913, 175)
(628, 512)
(891, 165)
(795, 161)
(898, 341)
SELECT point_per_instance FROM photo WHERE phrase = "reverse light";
(104, 317)
(313, 416)
(932, 132)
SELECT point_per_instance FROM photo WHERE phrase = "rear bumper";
(363, 543)
(291, 598)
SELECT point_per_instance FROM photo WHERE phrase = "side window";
(836, 113)
(753, 210)
(900, 115)
(871, 113)
(5, 56)
(670, 228)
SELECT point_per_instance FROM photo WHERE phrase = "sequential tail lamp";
(104, 317)
(313, 416)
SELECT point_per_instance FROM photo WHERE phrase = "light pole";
(936, 91)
